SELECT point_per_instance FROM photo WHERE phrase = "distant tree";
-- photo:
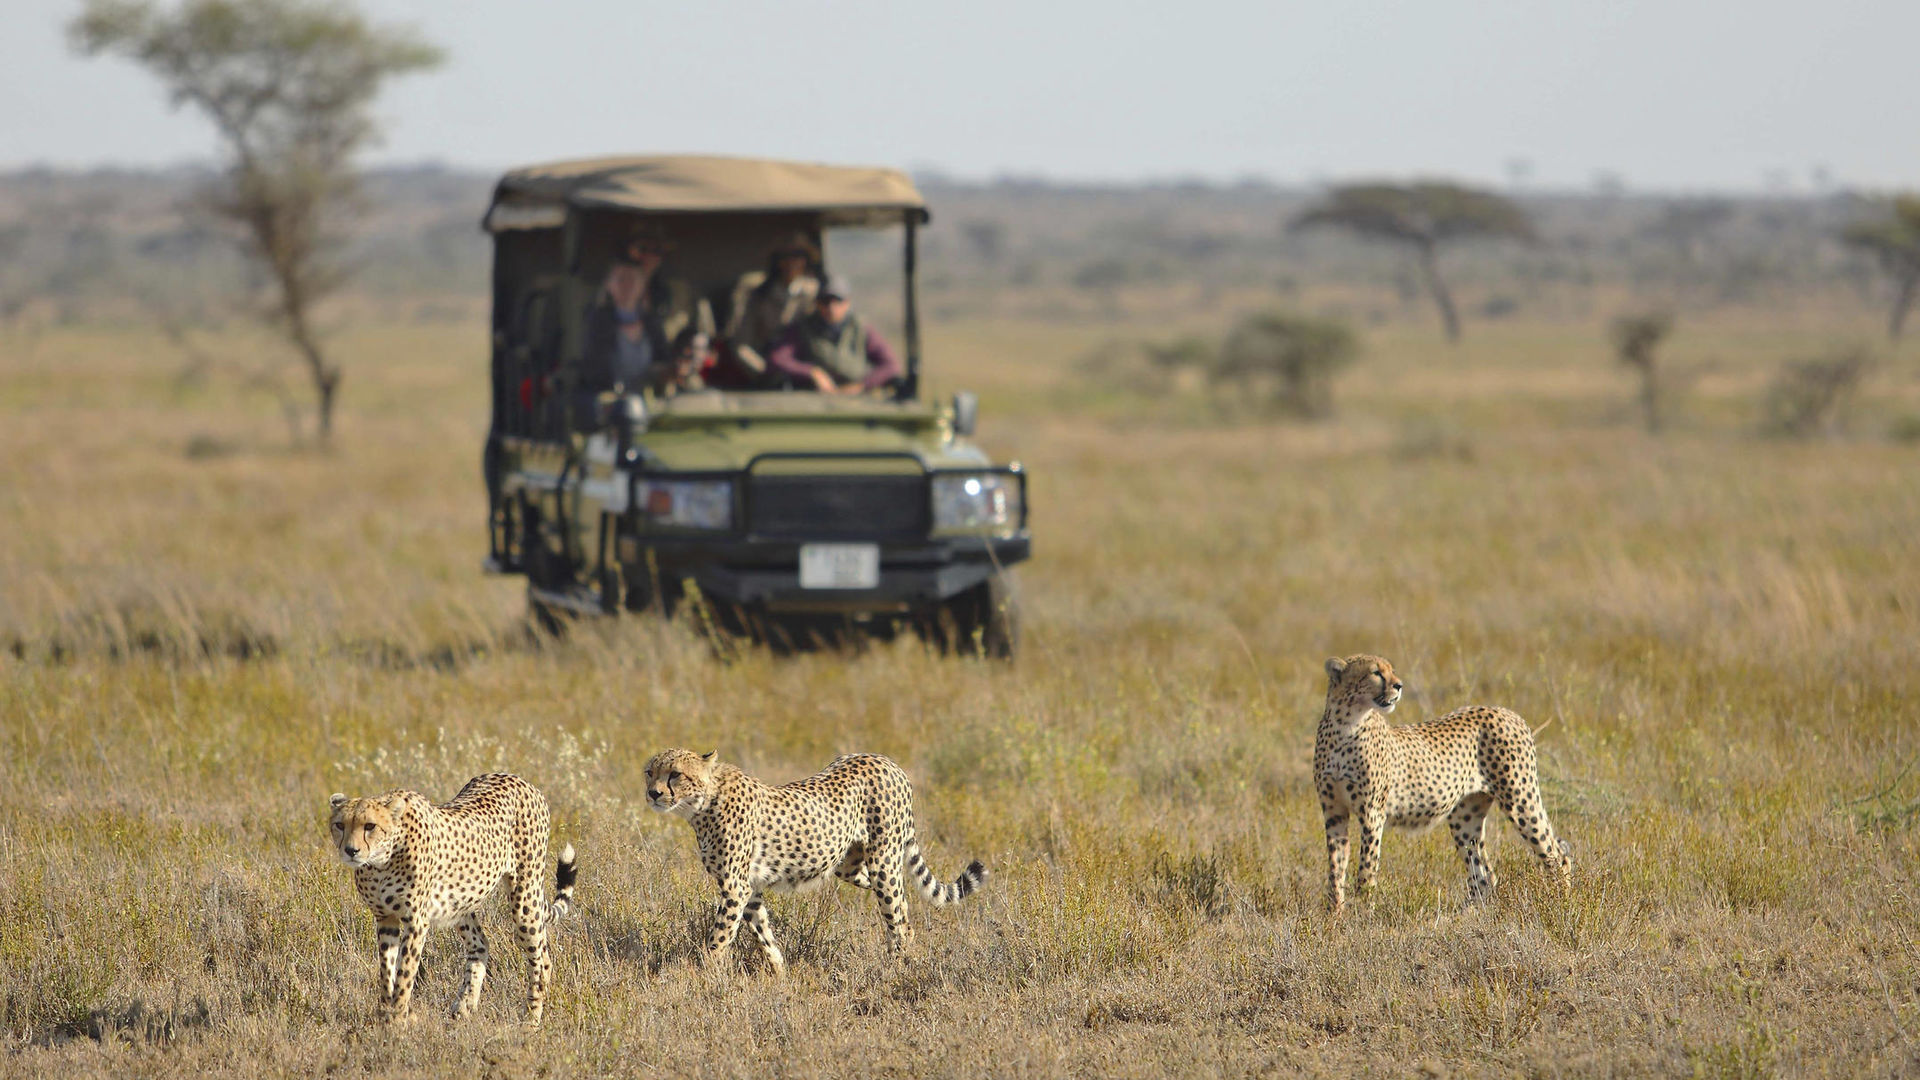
(1636, 338)
(1421, 217)
(986, 237)
(1298, 353)
(1894, 241)
(1688, 224)
(288, 85)
(1106, 273)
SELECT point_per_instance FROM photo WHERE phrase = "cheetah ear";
(1335, 666)
(336, 801)
(710, 756)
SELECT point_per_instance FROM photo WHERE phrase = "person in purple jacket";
(833, 350)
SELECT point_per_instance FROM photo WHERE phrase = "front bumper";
(765, 574)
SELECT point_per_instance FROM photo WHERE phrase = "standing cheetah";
(1409, 777)
(421, 866)
(854, 820)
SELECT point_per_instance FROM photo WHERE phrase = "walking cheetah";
(421, 866)
(1409, 777)
(854, 820)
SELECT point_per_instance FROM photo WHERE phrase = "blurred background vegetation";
(1182, 279)
(110, 243)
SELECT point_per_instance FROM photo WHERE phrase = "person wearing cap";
(765, 304)
(833, 350)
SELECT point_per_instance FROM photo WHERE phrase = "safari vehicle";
(790, 516)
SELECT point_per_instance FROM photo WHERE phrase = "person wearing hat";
(833, 350)
(624, 332)
(767, 303)
(630, 322)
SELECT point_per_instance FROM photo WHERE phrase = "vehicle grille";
(848, 507)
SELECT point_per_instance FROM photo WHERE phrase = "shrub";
(1295, 355)
(1810, 397)
(1905, 428)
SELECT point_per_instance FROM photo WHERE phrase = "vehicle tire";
(981, 621)
(610, 590)
(543, 569)
(547, 621)
(651, 592)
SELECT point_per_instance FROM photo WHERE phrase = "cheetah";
(1409, 777)
(421, 866)
(853, 820)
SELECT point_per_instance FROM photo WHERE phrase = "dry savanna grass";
(204, 633)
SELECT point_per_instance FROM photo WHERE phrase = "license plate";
(839, 566)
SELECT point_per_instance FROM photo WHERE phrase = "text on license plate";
(839, 566)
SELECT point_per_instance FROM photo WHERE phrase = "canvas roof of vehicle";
(536, 196)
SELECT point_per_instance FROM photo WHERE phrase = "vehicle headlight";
(975, 500)
(686, 504)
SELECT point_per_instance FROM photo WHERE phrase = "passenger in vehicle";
(624, 335)
(765, 304)
(833, 350)
(695, 364)
(630, 322)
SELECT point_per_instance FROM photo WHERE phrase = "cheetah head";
(365, 831)
(1361, 682)
(681, 781)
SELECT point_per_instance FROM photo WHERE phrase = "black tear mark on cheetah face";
(1363, 678)
(364, 830)
(681, 781)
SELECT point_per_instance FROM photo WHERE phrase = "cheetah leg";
(413, 938)
(475, 941)
(734, 894)
(387, 937)
(1529, 816)
(853, 868)
(756, 917)
(889, 889)
(1337, 849)
(1373, 824)
(1468, 822)
(530, 930)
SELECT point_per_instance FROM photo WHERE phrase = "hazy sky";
(1668, 94)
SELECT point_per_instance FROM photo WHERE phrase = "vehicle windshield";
(663, 305)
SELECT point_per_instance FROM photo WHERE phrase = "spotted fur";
(853, 821)
(421, 866)
(1410, 777)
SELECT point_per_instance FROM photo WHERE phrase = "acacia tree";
(288, 85)
(1422, 217)
(1894, 241)
(1636, 339)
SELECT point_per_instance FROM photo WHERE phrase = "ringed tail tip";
(563, 878)
(971, 880)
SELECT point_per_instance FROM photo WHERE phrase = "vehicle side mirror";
(966, 410)
(630, 414)
(625, 413)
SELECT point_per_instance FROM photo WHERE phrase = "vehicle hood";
(716, 430)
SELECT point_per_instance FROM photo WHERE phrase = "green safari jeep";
(794, 517)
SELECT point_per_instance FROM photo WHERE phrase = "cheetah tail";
(563, 880)
(939, 892)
